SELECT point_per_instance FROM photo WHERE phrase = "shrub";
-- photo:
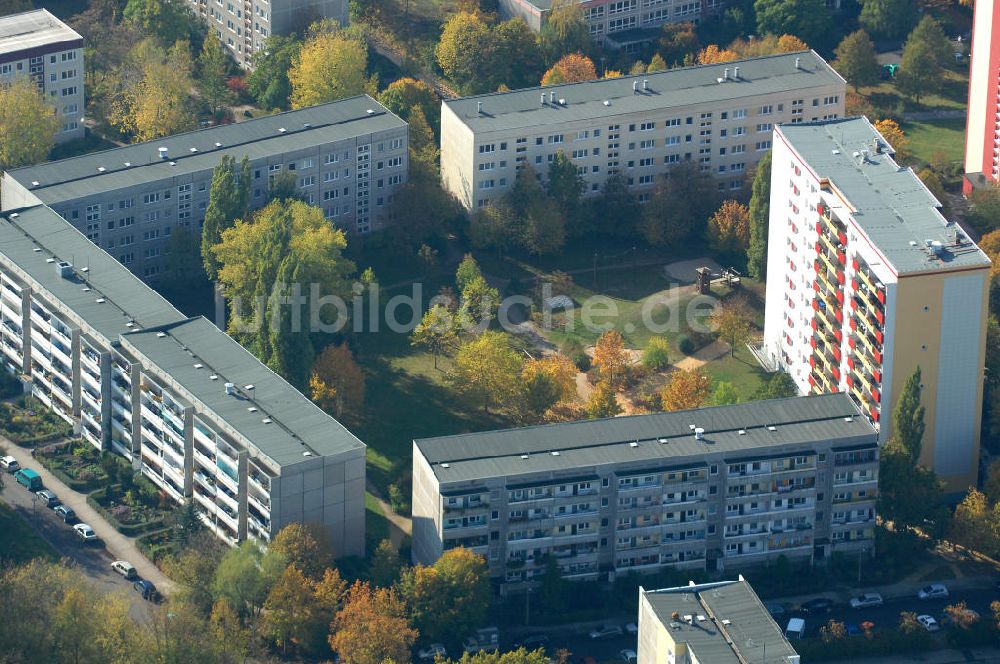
(656, 355)
(685, 344)
(574, 351)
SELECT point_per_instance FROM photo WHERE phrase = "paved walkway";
(400, 527)
(703, 356)
(118, 545)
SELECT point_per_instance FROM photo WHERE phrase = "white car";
(929, 623)
(85, 532)
(124, 568)
(431, 652)
(628, 656)
(933, 591)
(631, 629)
(9, 464)
(865, 601)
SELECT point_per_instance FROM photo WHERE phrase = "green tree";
(494, 226)
(809, 20)
(28, 125)
(603, 401)
(487, 372)
(615, 211)
(268, 82)
(437, 332)
(907, 493)
(480, 302)
(183, 267)
(244, 578)
(519, 656)
(682, 202)
(725, 394)
(973, 524)
(193, 569)
(386, 565)
(451, 597)
(284, 186)
(565, 185)
(468, 270)
(214, 65)
(228, 198)
(515, 56)
(8, 7)
(565, 31)
(465, 45)
(779, 386)
(169, 21)
(329, 66)
(656, 354)
(760, 203)
(857, 61)
(888, 19)
(908, 416)
(405, 94)
(921, 69)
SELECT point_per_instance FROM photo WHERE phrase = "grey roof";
(258, 138)
(660, 438)
(893, 207)
(750, 635)
(298, 426)
(36, 239)
(679, 87)
(27, 30)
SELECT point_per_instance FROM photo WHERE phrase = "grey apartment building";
(720, 115)
(348, 157)
(714, 488)
(245, 25)
(39, 46)
(192, 410)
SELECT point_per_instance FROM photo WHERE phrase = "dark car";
(533, 641)
(65, 513)
(818, 605)
(146, 590)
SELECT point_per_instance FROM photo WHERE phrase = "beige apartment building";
(722, 116)
(348, 156)
(868, 281)
(37, 45)
(193, 411)
(714, 488)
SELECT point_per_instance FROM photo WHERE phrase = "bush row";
(130, 529)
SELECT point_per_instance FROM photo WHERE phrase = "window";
(764, 126)
(647, 126)
(766, 109)
(647, 144)
(151, 198)
(555, 139)
(68, 92)
(394, 162)
(93, 213)
(487, 148)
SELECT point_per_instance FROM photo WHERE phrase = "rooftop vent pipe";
(699, 433)
(635, 87)
(725, 74)
(231, 389)
(645, 84)
(479, 106)
(736, 73)
(163, 152)
(798, 63)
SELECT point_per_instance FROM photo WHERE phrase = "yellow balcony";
(829, 264)
(830, 246)
(831, 225)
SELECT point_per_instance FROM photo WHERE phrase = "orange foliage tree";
(712, 54)
(729, 228)
(337, 382)
(372, 627)
(891, 132)
(611, 359)
(570, 68)
(686, 389)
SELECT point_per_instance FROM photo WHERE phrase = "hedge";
(129, 529)
(151, 545)
(81, 486)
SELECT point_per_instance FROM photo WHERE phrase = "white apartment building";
(192, 410)
(39, 46)
(348, 156)
(708, 489)
(245, 25)
(720, 115)
(866, 281)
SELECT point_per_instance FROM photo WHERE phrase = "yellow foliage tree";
(611, 359)
(329, 66)
(891, 132)
(603, 401)
(372, 627)
(791, 44)
(990, 244)
(570, 68)
(733, 320)
(685, 390)
(712, 54)
(729, 228)
(28, 124)
(159, 103)
(337, 382)
(613, 73)
(560, 371)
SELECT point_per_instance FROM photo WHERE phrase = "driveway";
(94, 560)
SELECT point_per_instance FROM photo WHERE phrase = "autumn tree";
(307, 546)
(168, 20)
(809, 20)
(329, 66)
(289, 616)
(571, 68)
(337, 383)
(465, 43)
(548, 380)
(372, 628)
(479, 304)
(611, 359)
(760, 203)
(520, 656)
(467, 272)
(656, 63)
(894, 136)
(450, 597)
(729, 229)
(712, 55)
(405, 94)
(921, 69)
(685, 390)
(857, 61)
(888, 19)
(437, 332)
(681, 203)
(386, 565)
(516, 61)
(213, 73)
(677, 41)
(975, 524)
(159, 102)
(733, 321)
(193, 569)
(232, 638)
(280, 250)
(228, 198)
(565, 31)
(268, 80)
(28, 124)
(487, 372)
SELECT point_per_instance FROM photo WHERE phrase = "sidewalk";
(119, 546)
(973, 655)
(898, 590)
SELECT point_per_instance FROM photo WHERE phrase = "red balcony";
(878, 356)
(876, 396)
(814, 324)
(880, 317)
(854, 325)
(877, 375)
(812, 342)
(821, 209)
(819, 226)
(855, 264)
(842, 257)
(836, 352)
(842, 236)
(880, 294)
(850, 381)
(874, 413)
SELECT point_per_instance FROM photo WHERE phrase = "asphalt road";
(884, 617)
(92, 559)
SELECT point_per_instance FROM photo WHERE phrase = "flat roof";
(36, 239)
(721, 622)
(297, 426)
(890, 203)
(196, 151)
(33, 29)
(606, 98)
(659, 439)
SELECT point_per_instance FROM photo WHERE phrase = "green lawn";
(954, 94)
(19, 543)
(376, 525)
(931, 136)
(742, 371)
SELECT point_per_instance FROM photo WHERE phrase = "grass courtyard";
(928, 138)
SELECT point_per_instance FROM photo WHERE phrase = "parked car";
(431, 652)
(820, 604)
(775, 609)
(533, 641)
(933, 591)
(146, 590)
(628, 656)
(865, 601)
(631, 629)
(65, 512)
(124, 568)
(929, 623)
(606, 632)
(85, 532)
(48, 498)
(9, 464)
(29, 479)
(486, 638)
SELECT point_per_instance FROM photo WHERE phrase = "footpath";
(119, 546)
